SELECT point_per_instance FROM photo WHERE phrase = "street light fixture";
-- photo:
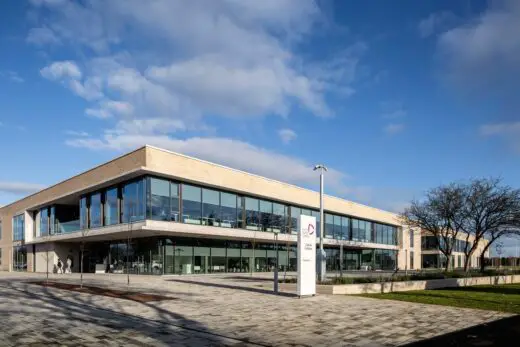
(321, 255)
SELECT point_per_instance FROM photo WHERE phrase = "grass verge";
(504, 298)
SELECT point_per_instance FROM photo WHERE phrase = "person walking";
(60, 265)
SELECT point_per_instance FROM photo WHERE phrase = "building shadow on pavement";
(502, 332)
(231, 286)
(55, 317)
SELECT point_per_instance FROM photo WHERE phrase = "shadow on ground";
(230, 286)
(53, 314)
(503, 332)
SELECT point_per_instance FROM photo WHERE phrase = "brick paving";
(212, 311)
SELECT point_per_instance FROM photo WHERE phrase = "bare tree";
(437, 215)
(491, 211)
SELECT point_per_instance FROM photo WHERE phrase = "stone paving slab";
(214, 311)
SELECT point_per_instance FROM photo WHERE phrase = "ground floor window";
(411, 260)
(177, 255)
(430, 261)
(19, 258)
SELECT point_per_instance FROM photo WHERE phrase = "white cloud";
(287, 135)
(77, 133)
(12, 76)
(394, 128)
(19, 187)
(163, 67)
(233, 153)
(61, 69)
(98, 113)
(89, 90)
(508, 131)
(247, 67)
(42, 36)
(485, 52)
(120, 107)
(436, 22)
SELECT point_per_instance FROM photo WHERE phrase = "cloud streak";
(20, 187)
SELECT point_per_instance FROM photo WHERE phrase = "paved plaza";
(212, 311)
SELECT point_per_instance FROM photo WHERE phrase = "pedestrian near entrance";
(60, 266)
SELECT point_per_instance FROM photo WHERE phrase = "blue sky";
(394, 99)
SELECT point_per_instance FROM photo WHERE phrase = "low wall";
(387, 287)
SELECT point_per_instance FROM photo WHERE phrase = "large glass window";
(266, 211)
(159, 199)
(252, 214)
(19, 228)
(356, 230)
(411, 239)
(329, 226)
(368, 231)
(19, 258)
(191, 204)
(228, 210)
(210, 207)
(95, 210)
(52, 220)
(295, 216)
(174, 202)
(134, 201)
(111, 207)
(278, 218)
(345, 228)
(338, 233)
(83, 213)
(44, 221)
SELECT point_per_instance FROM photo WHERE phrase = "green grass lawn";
(505, 298)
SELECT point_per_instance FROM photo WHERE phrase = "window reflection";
(228, 210)
(95, 210)
(134, 198)
(210, 207)
(191, 203)
(159, 199)
(111, 207)
(252, 214)
(44, 221)
(266, 212)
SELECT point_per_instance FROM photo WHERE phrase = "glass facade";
(434, 243)
(210, 207)
(191, 204)
(165, 200)
(19, 228)
(83, 213)
(111, 207)
(159, 206)
(44, 222)
(160, 199)
(19, 258)
(95, 211)
(179, 255)
(134, 201)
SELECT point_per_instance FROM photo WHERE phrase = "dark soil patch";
(113, 293)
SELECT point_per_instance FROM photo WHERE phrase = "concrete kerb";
(388, 287)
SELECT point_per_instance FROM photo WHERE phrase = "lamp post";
(321, 256)
(275, 232)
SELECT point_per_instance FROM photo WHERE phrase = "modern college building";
(152, 211)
